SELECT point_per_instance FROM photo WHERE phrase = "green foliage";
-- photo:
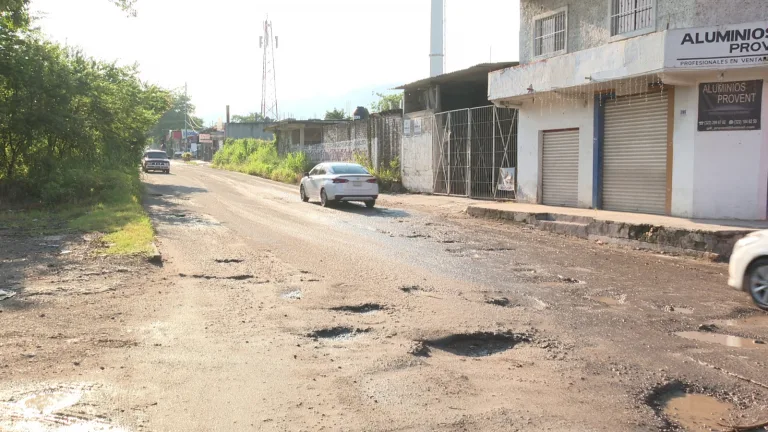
(186, 157)
(173, 118)
(67, 121)
(253, 117)
(387, 175)
(259, 158)
(387, 102)
(336, 114)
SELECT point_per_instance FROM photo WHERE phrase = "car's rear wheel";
(370, 204)
(756, 281)
(324, 199)
(303, 194)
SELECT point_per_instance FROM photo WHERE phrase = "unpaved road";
(272, 314)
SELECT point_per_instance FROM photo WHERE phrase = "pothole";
(479, 344)
(722, 339)
(751, 321)
(690, 410)
(367, 308)
(209, 277)
(611, 301)
(337, 333)
(679, 309)
(410, 288)
(229, 260)
(570, 280)
(293, 295)
(501, 301)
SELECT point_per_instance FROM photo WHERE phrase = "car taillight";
(371, 180)
(340, 180)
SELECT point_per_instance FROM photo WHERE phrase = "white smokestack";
(436, 53)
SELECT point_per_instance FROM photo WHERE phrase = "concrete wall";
(342, 151)
(589, 20)
(536, 117)
(248, 130)
(417, 155)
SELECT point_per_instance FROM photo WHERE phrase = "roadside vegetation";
(388, 176)
(259, 158)
(72, 132)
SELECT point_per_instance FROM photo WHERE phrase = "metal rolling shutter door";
(560, 168)
(635, 154)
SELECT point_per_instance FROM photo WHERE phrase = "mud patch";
(337, 333)
(367, 308)
(229, 260)
(722, 339)
(479, 344)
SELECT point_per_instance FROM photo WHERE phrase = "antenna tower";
(268, 43)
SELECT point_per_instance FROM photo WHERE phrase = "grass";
(118, 214)
(260, 158)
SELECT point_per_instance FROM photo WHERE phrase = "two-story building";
(651, 106)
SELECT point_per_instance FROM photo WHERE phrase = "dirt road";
(272, 314)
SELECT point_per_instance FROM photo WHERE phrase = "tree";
(173, 119)
(248, 118)
(387, 102)
(336, 114)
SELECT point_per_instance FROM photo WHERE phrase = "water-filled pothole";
(723, 339)
(479, 344)
(337, 333)
(689, 409)
(367, 308)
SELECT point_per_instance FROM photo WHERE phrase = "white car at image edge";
(332, 182)
(748, 267)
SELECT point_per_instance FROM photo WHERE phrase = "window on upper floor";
(550, 33)
(628, 16)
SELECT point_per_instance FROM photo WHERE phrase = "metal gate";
(476, 152)
(560, 167)
(635, 153)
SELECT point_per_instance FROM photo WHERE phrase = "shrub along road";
(273, 314)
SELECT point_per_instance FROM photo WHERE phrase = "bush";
(387, 176)
(260, 158)
(186, 157)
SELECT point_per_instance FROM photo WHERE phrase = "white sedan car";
(748, 268)
(335, 181)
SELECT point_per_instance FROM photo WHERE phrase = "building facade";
(651, 106)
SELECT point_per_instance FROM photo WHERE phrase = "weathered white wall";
(549, 115)
(589, 20)
(683, 150)
(417, 158)
(629, 57)
(731, 167)
(342, 151)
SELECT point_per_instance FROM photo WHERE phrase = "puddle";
(294, 295)
(368, 308)
(726, 340)
(337, 333)
(480, 344)
(48, 403)
(694, 411)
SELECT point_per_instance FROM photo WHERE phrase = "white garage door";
(635, 154)
(560, 168)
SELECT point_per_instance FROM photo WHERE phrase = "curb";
(711, 245)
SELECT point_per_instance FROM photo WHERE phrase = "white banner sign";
(721, 47)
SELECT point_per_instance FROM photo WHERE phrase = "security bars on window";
(631, 15)
(550, 34)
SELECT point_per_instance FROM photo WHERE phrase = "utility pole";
(186, 102)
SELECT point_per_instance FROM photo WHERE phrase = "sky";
(331, 53)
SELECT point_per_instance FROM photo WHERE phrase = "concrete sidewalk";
(713, 239)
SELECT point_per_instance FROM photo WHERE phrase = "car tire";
(370, 204)
(324, 201)
(756, 282)
(303, 194)
(167, 171)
